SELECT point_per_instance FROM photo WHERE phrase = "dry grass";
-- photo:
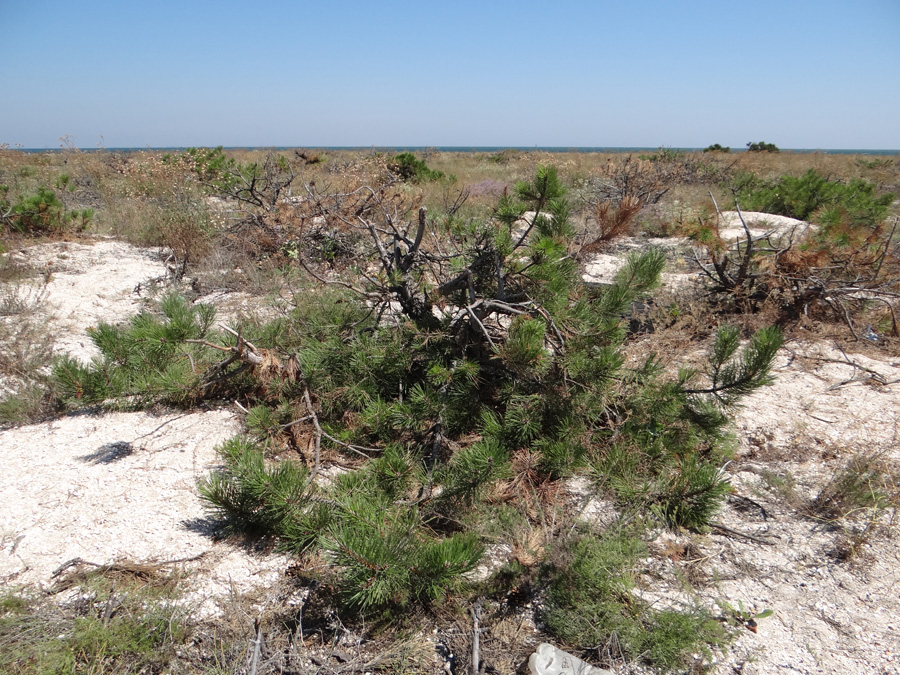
(26, 350)
(103, 623)
(133, 193)
(866, 482)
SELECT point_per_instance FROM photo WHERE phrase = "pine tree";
(442, 368)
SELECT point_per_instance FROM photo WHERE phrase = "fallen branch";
(747, 500)
(315, 420)
(476, 637)
(257, 647)
(143, 570)
(136, 568)
(742, 535)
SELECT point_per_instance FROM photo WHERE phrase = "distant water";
(485, 149)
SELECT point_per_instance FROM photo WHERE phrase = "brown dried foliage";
(612, 222)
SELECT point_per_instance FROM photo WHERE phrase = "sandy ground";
(90, 283)
(831, 616)
(122, 486)
(118, 486)
(601, 268)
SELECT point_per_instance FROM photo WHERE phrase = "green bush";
(762, 146)
(655, 464)
(255, 498)
(209, 164)
(41, 213)
(387, 557)
(151, 360)
(385, 554)
(447, 380)
(715, 147)
(410, 168)
(802, 197)
(258, 185)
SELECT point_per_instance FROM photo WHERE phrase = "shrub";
(255, 498)
(590, 605)
(762, 146)
(153, 359)
(209, 164)
(611, 223)
(450, 370)
(41, 213)
(844, 267)
(410, 168)
(809, 195)
(386, 556)
(715, 147)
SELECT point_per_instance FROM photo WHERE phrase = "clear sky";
(688, 73)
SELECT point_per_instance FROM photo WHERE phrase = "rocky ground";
(122, 486)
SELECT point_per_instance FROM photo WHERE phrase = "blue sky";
(798, 73)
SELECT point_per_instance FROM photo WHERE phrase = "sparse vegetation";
(439, 346)
(109, 627)
(865, 482)
(25, 351)
(860, 502)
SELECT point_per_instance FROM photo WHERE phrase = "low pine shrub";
(460, 371)
(208, 164)
(385, 554)
(151, 360)
(590, 604)
(410, 168)
(40, 213)
(810, 196)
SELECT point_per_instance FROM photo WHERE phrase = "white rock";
(548, 660)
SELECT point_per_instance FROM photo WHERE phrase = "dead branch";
(476, 637)
(742, 535)
(257, 646)
(292, 370)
